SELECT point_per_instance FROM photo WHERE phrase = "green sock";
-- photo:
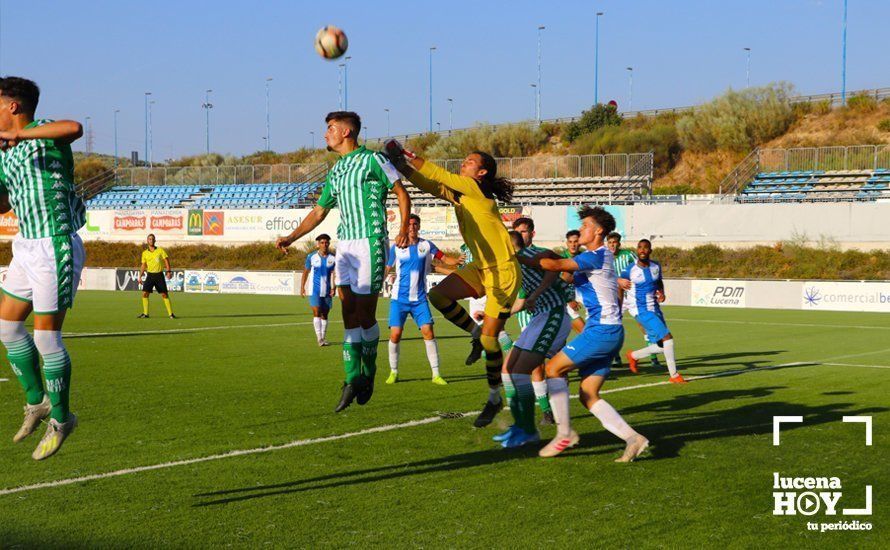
(352, 354)
(544, 403)
(57, 369)
(505, 341)
(370, 341)
(526, 399)
(25, 363)
(653, 358)
(510, 394)
(369, 358)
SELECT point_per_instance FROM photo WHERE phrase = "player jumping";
(592, 351)
(494, 271)
(357, 184)
(320, 270)
(37, 182)
(644, 286)
(408, 296)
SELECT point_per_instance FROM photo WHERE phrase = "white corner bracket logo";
(808, 496)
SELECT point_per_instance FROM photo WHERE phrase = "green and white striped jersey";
(358, 184)
(38, 174)
(623, 259)
(553, 297)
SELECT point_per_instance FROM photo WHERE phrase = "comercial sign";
(719, 293)
(257, 282)
(166, 223)
(214, 223)
(846, 296)
(195, 222)
(129, 222)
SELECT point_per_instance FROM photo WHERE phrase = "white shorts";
(477, 305)
(360, 264)
(45, 272)
(546, 332)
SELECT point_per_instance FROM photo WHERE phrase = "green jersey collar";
(359, 149)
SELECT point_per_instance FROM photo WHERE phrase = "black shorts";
(155, 281)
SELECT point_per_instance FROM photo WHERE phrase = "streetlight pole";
(207, 106)
(116, 111)
(313, 139)
(844, 59)
(535, 98)
(268, 122)
(596, 61)
(539, 90)
(432, 49)
(747, 67)
(450, 114)
(387, 122)
(340, 84)
(346, 83)
(89, 142)
(630, 89)
(150, 144)
(145, 158)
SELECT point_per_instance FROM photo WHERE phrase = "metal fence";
(218, 175)
(567, 166)
(532, 168)
(854, 157)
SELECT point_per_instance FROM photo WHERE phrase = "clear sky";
(91, 57)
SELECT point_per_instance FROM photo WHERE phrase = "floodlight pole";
(268, 119)
(596, 61)
(116, 111)
(207, 106)
(630, 89)
(538, 88)
(844, 59)
(747, 67)
(432, 49)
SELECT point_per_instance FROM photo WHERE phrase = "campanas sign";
(129, 223)
(166, 223)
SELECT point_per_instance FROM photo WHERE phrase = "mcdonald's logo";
(196, 222)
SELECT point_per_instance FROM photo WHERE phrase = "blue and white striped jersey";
(321, 272)
(595, 280)
(644, 281)
(412, 264)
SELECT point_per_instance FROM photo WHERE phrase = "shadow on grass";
(668, 438)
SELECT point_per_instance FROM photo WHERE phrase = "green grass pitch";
(244, 373)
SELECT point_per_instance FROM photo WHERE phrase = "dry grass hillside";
(863, 122)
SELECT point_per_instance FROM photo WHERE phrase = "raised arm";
(310, 222)
(63, 131)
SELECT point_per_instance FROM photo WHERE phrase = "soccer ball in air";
(331, 42)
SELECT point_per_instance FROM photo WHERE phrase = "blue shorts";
(654, 325)
(323, 302)
(593, 350)
(398, 313)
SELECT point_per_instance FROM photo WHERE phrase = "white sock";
(611, 420)
(648, 350)
(394, 356)
(558, 388)
(324, 327)
(669, 357)
(540, 389)
(432, 354)
(316, 322)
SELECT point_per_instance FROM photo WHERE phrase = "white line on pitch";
(259, 450)
(178, 330)
(854, 365)
(325, 439)
(188, 330)
(776, 324)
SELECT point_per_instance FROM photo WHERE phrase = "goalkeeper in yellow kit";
(494, 271)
